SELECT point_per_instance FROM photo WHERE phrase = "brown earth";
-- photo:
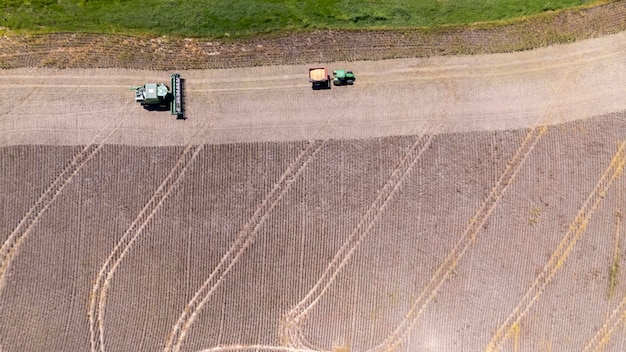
(333, 194)
(460, 204)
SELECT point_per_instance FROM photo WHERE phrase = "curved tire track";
(464, 243)
(21, 231)
(256, 348)
(97, 300)
(576, 228)
(292, 325)
(602, 337)
(244, 239)
(476, 222)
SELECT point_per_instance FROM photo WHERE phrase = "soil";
(276, 103)
(455, 203)
(334, 195)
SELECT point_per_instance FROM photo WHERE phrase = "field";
(462, 203)
(440, 204)
(241, 18)
(428, 243)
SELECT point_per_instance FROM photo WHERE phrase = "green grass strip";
(245, 18)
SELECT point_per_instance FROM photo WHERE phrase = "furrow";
(13, 241)
(576, 228)
(603, 336)
(244, 239)
(98, 294)
(292, 325)
(256, 348)
(464, 243)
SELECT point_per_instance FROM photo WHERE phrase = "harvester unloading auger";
(157, 96)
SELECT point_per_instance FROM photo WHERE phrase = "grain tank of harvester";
(319, 78)
(157, 96)
(343, 77)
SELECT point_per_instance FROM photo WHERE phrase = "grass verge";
(245, 18)
(96, 50)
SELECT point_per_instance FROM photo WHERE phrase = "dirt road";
(276, 103)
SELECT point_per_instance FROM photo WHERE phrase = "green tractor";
(343, 77)
(157, 96)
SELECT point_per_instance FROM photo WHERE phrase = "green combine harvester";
(343, 77)
(157, 96)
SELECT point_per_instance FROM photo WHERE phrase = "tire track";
(603, 336)
(614, 267)
(576, 228)
(97, 299)
(527, 64)
(612, 322)
(243, 240)
(463, 244)
(34, 214)
(256, 348)
(291, 327)
(21, 101)
(476, 222)
(292, 331)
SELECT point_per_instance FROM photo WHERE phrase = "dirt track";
(441, 204)
(275, 103)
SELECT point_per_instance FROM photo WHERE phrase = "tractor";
(157, 96)
(343, 77)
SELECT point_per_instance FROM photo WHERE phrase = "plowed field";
(441, 204)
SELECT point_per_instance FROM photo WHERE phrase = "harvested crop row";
(53, 271)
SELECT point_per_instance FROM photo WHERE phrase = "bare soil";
(402, 243)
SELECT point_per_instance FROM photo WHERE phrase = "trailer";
(319, 78)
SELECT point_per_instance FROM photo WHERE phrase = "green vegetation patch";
(239, 18)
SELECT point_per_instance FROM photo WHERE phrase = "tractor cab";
(158, 96)
(152, 94)
(343, 77)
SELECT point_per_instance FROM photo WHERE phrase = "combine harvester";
(157, 96)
